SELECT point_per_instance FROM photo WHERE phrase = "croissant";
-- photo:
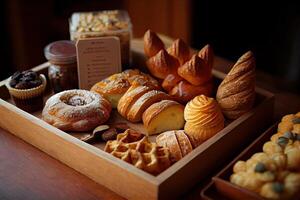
(162, 64)
(179, 50)
(152, 44)
(184, 91)
(207, 54)
(236, 93)
(203, 119)
(195, 71)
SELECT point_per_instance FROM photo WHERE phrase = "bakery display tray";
(222, 189)
(121, 177)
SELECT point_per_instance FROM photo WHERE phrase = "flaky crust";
(152, 43)
(118, 84)
(162, 64)
(180, 50)
(130, 97)
(184, 91)
(236, 93)
(207, 54)
(195, 71)
(203, 119)
(93, 110)
(138, 108)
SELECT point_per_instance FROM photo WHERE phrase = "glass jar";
(62, 72)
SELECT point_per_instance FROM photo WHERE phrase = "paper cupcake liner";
(27, 93)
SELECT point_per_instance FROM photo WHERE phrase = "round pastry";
(203, 119)
(76, 110)
(115, 86)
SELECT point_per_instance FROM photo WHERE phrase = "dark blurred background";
(271, 31)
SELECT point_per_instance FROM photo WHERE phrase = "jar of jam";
(62, 72)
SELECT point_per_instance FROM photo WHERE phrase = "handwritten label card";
(97, 58)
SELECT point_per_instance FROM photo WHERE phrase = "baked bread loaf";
(162, 64)
(184, 92)
(176, 66)
(136, 111)
(163, 116)
(236, 93)
(152, 43)
(177, 142)
(195, 71)
(136, 149)
(115, 86)
(180, 50)
(76, 110)
(203, 119)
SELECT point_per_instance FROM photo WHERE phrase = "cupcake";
(26, 89)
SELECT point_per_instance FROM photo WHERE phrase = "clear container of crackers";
(104, 23)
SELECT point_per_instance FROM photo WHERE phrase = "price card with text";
(97, 58)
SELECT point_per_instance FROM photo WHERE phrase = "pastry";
(289, 123)
(236, 93)
(184, 92)
(76, 110)
(180, 50)
(162, 64)
(171, 81)
(163, 116)
(136, 111)
(177, 142)
(26, 89)
(115, 86)
(135, 149)
(195, 71)
(152, 43)
(207, 54)
(130, 97)
(203, 119)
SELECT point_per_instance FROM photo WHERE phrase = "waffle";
(137, 150)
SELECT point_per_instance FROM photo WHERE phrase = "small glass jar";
(62, 72)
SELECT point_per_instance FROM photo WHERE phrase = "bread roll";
(203, 119)
(179, 50)
(236, 93)
(162, 64)
(163, 116)
(184, 91)
(147, 99)
(152, 43)
(195, 71)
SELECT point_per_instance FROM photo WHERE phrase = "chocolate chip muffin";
(26, 89)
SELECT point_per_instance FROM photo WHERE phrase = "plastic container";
(104, 23)
(63, 69)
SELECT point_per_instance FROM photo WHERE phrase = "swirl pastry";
(236, 93)
(203, 119)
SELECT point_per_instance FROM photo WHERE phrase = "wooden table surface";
(28, 173)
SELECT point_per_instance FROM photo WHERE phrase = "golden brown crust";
(207, 54)
(203, 119)
(168, 139)
(152, 43)
(195, 71)
(76, 110)
(130, 97)
(184, 91)
(180, 50)
(162, 64)
(137, 109)
(236, 93)
(170, 81)
(184, 142)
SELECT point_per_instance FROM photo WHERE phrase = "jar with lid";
(62, 71)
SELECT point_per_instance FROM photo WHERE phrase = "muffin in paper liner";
(31, 99)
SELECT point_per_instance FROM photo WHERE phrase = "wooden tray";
(220, 188)
(122, 177)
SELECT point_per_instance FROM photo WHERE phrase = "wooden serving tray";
(221, 188)
(122, 177)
